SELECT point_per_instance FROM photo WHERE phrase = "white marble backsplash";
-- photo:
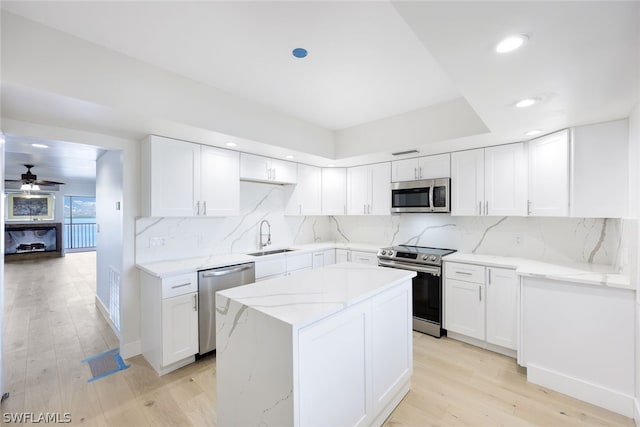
(598, 241)
(546, 239)
(159, 239)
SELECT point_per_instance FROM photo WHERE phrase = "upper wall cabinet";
(305, 197)
(369, 189)
(265, 169)
(334, 191)
(549, 175)
(182, 179)
(600, 170)
(428, 167)
(489, 181)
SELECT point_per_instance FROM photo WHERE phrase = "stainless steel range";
(427, 285)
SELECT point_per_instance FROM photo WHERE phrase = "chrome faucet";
(262, 245)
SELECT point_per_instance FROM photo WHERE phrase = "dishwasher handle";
(225, 271)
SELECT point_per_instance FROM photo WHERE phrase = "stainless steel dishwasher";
(210, 282)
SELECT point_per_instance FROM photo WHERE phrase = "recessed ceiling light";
(299, 52)
(511, 43)
(230, 144)
(527, 102)
(289, 156)
(331, 165)
(39, 145)
(533, 132)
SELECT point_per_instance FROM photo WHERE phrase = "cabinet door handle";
(480, 292)
(274, 173)
(486, 207)
(364, 208)
(489, 281)
(415, 173)
(420, 172)
(204, 208)
(463, 272)
(479, 208)
(198, 208)
(181, 286)
(369, 209)
(195, 302)
(528, 207)
(299, 209)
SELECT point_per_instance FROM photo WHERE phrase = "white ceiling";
(367, 61)
(364, 62)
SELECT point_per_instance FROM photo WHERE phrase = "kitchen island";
(326, 347)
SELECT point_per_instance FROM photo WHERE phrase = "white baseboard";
(636, 415)
(592, 393)
(126, 350)
(482, 344)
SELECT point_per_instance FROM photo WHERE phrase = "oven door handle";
(435, 271)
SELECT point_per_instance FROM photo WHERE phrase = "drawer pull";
(463, 272)
(181, 286)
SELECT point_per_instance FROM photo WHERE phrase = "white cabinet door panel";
(254, 167)
(502, 303)
(465, 308)
(310, 189)
(343, 255)
(380, 203)
(549, 175)
(357, 190)
(175, 183)
(334, 191)
(332, 392)
(505, 180)
(405, 170)
(364, 257)
(329, 256)
(220, 182)
(438, 166)
(467, 183)
(179, 327)
(284, 172)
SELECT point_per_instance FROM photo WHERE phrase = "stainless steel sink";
(275, 251)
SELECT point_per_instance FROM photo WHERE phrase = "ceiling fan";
(30, 180)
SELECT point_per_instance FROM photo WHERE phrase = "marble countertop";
(307, 296)
(590, 274)
(189, 265)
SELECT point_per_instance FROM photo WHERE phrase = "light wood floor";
(52, 324)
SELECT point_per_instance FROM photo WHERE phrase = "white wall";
(129, 287)
(109, 219)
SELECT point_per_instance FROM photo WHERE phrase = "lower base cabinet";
(481, 303)
(169, 320)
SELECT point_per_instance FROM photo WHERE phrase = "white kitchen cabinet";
(369, 189)
(600, 170)
(169, 320)
(182, 179)
(266, 169)
(489, 181)
(501, 309)
(334, 191)
(364, 257)
(324, 258)
(505, 180)
(284, 264)
(549, 175)
(467, 183)
(481, 303)
(305, 198)
(428, 167)
(343, 255)
(298, 261)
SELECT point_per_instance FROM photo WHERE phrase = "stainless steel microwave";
(425, 195)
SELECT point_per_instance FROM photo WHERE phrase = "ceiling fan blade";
(46, 182)
(12, 180)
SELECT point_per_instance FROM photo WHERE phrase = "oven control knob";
(433, 257)
(383, 252)
(424, 257)
(390, 253)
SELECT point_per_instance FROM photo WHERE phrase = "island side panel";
(254, 360)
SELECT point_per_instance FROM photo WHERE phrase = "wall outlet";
(518, 240)
(155, 242)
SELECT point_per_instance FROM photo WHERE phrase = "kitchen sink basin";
(275, 251)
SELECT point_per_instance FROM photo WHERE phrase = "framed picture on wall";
(29, 207)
